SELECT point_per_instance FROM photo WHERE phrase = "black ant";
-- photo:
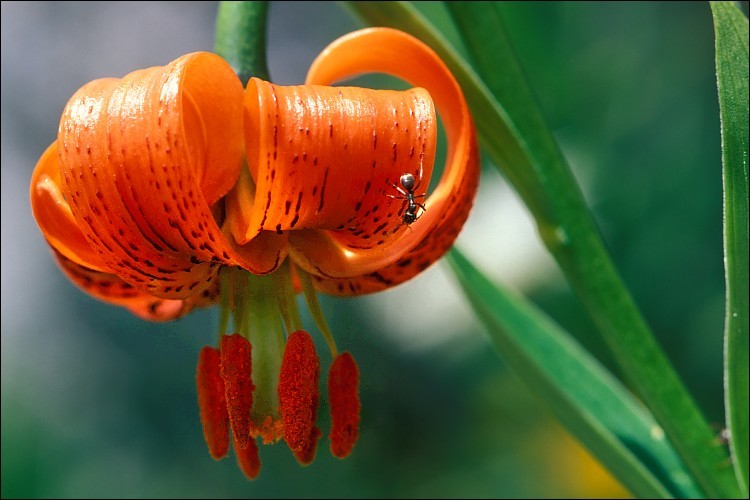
(407, 190)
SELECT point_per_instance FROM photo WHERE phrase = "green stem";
(528, 155)
(241, 38)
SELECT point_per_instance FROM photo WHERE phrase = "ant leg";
(421, 170)
(397, 197)
(419, 180)
(397, 188)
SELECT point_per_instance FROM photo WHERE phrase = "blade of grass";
(731, 27)
(588, 400)
(521, 145)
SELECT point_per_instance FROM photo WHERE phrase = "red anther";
(248, 458)
(211, 401)
(298, 393)
(236, 368)
(306, 454)
(343, 396)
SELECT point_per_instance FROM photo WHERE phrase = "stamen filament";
(287, 298)
(315, 310)
(240, 301)
(225, 302)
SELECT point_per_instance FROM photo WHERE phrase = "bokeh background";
(96, 403)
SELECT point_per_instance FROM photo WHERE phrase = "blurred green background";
(96, 403)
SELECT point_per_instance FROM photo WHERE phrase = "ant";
(407, 190)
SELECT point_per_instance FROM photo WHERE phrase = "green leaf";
(587, 399)
(731, 29)
(511, 129)
(241, 38)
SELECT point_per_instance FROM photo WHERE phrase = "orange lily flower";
(174, 188)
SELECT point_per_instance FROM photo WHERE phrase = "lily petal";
(110, 288)
(140, 161)
(326, 157)
(54, 217)
(343, 270)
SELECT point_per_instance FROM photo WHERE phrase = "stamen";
(315, 310)
(225, 300)
(239, 300)
(236, 368)
(298, 394)
(270, 431)
(306, 455)
(343, 396)
(211, 401)
(248, 458)
(287, 297)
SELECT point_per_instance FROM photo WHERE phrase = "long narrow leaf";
(587, 399)
(731, 29)
(523, 147)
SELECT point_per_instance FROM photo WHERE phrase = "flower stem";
(241, 38)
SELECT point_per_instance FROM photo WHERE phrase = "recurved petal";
(110, 288)
(267, 249)
(143, 158)
(80, 261)
(342, 269)
(53, 215)
(328, 158)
